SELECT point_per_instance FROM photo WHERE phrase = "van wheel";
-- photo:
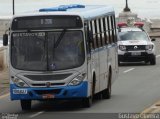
(26, 104)
(106, 94)
(119, 63)
(146, 61)
(153, 61)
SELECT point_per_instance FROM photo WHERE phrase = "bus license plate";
(19, 91)
(136, 53)
(47, 96)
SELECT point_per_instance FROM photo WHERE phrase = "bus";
(64, 52)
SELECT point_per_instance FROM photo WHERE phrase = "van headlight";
(19, 82)
(122, 47)
(77, 80)
(149, 47)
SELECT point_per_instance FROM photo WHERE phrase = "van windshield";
(133, 35)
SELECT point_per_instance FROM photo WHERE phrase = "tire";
(106, 94)
(98, 96)
(119, 63)
(87, 102)
(153, 61)
(25, 104)
(146, 62)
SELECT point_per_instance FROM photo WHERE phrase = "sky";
(144, 8)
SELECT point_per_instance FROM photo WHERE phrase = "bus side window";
(109, 29)
(112, 27)
(100, 31)
(95, 37)
(115, 29)
(93, 32)
(104, 30)
(90, 35)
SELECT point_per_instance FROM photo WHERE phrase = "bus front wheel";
(26, 104)
(87, 102)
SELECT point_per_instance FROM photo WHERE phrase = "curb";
(155, 108)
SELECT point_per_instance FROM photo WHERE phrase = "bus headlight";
(122, 47)
(19, 82)
(77, 80)
(149, 47)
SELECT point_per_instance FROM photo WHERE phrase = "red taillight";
(122, 24)
(139, 24)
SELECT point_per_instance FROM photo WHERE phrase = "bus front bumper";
(63, 92)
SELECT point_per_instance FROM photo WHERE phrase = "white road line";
(157, 56)
(36, 114)
(128, 70)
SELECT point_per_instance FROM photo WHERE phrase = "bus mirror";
(90, 37)
(5, 39)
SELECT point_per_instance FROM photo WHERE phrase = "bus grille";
(44, 85)
(47, 77)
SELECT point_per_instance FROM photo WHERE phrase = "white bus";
(65, 52)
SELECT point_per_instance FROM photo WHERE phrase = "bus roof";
(87, 12)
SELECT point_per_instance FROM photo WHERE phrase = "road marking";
(5, 95)
(128, 70)
(36, 114)
(157, 56)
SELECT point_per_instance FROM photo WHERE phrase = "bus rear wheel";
(106, 94)
(25, 104)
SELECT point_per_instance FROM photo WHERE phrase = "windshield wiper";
(59, 38)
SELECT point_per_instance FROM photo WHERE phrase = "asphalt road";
(136, 88)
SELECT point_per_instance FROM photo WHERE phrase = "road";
(1, 42)
(136, 88)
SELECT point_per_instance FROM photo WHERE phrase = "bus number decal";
(29, 34)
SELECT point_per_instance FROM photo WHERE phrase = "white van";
(135, 45)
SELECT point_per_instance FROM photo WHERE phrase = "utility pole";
(126, 9)
(13, 6)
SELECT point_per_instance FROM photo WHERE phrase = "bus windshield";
(43, 51)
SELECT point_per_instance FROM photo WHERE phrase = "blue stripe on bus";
(65, 92)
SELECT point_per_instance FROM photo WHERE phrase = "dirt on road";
(4, 82)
